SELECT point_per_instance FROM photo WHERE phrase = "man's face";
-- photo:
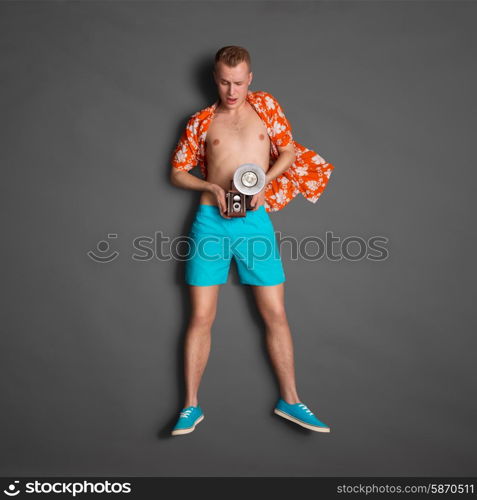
(232, 83)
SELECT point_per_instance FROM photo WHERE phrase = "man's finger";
(223, 209)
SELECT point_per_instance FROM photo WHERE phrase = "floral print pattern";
(309, 174)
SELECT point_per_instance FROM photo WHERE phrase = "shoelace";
(186, 413)
(306, 408)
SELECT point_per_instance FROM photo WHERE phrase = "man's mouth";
(231, 101)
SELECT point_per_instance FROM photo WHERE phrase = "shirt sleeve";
(280, 126)
(184, 156)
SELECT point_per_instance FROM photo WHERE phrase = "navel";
(261, 137)
(216, 141)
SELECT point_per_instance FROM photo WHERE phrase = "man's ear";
(251, 78)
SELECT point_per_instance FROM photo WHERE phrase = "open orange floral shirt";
(308, 175)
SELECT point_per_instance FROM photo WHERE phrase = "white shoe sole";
(299, 422)
(189, 429)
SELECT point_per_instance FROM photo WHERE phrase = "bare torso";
(232, 141)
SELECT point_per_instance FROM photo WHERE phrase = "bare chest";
(244, 132)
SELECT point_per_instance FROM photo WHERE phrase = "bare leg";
(271, 305)
(198, 338)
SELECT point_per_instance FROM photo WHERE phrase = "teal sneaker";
(188, 419)
(301, 415)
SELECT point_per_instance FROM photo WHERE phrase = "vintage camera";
(248, 179)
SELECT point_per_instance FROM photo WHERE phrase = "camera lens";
(236, 207)
(237, 197)
(249, 179)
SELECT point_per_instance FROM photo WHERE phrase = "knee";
(274, 316)
(203, 319)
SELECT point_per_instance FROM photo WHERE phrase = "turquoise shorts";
(214, 240)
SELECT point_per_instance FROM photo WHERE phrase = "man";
(242, 127)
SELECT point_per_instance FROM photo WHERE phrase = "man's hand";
(219, 194)
(258, 200)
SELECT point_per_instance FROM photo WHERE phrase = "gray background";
(94, 96)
